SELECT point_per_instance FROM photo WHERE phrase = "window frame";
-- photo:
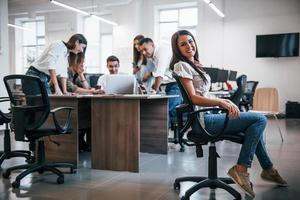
(21, 54)
(177, 7)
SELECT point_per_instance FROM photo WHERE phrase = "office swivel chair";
(203, 138)
(5, 118)
(237, 95)
(92, 79)
(30, 109)
(246, 102)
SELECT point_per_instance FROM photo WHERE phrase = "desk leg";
(67, 151)
(154, 126)
(115, 134)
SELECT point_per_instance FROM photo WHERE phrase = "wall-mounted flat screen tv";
(277, 45)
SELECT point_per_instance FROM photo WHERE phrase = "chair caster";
(41, 171)
(30, 160)
(60, 180)
(185, 198)
(181, 149)
(6, 174)
(72, 170)
(176, 186)
(15, 184)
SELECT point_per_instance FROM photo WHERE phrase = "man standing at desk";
(160, 59)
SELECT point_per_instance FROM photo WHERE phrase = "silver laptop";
(120, 84)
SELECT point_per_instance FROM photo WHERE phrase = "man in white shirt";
(160, 58)
(113, 65)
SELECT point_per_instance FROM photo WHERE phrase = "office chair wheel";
(185, 198)
(176, 186)
(6, 174)
(60, 180)
(181, 149)
(72, 170)
(15, 184)
(30, 160)
(41, 171)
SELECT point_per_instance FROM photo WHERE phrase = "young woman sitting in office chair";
(186, 65)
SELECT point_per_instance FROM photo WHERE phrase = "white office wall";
(128, 18)
(225, 43)
(246, 19)
(4, 52)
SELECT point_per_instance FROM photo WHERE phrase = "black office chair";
(92, 79)
(246, 102)
(203, 138)
(177, 137)
(5, 118)
(237, 95)
(30, 109)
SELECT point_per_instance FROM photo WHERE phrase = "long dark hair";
(75, 59)
(177, 56)
(81, 39)
(136, 53)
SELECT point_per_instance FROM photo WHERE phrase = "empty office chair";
(237, 95)
(246, 102)
(203, 138)
(30, 109)
(92, 79)
(265, 101)
(5, 118)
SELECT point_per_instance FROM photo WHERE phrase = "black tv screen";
(277, 45)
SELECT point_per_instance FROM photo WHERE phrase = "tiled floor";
(157, 173)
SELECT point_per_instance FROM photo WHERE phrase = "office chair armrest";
(61, 129)
(3, 99)
(180, 110)
(210, 135)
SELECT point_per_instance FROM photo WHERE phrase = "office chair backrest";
(92, 79)
(185, 96)
(29, 103)
(237, 95)
(250, 87)
(266, 99)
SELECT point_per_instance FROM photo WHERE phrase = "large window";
(29, 43)
(99, 39)
(171, 20)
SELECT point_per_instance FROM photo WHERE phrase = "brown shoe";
(272, 175)
(242, 180)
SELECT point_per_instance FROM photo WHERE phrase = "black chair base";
(7, 153)
(177, 139)
(204, 182)
(40, 166)
(212, 181)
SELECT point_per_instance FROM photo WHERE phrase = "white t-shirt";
(185, 70)
(55, 56)
(102, 81)
(161, 60)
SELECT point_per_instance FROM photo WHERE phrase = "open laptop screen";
(120, 84)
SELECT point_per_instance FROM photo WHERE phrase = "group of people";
(153, 69)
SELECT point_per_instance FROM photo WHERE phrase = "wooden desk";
(122, 126)
(68, 150)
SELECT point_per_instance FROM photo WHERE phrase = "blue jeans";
(253, 126)
(44, 78)
(173, 89)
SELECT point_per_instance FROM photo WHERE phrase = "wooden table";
(122, 126)
(68, 150)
